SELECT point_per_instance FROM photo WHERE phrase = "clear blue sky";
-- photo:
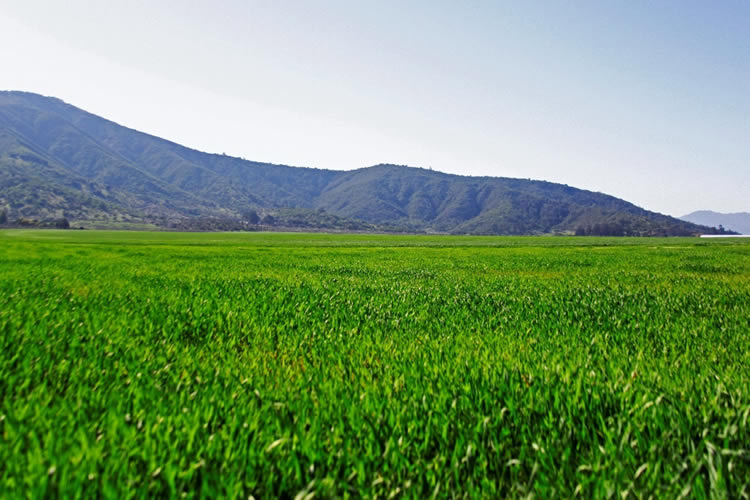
(648, 101)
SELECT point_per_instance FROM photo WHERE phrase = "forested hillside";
(59, 162)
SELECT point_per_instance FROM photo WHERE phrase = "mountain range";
(737, 222)
(60, 162)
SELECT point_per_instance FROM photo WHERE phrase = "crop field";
(141, 364)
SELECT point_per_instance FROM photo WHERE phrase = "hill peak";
(59, 161)
(738, 221)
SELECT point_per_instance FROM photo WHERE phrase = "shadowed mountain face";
(59, 161)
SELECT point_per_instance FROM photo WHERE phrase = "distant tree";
(268, 220)
(62, 223)
(3, 216)
(22, 221)
(251, 216)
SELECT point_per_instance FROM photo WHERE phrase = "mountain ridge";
(737, 221)
(57, 160)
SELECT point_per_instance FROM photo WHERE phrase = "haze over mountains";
(738, 222)
(59, 161)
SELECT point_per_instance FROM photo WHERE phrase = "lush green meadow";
(276, 365)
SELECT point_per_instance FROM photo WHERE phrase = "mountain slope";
(57, 160)
(218, 179)
(739, 222)
(424, 199)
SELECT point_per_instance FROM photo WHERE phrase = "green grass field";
(291, 365)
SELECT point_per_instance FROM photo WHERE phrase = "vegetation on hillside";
(59, 161)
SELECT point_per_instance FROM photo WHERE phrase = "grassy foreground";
(283, 365)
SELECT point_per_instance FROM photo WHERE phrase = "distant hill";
(738, 222)
(58, 161)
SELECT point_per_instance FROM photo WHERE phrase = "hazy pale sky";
(648, 101)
